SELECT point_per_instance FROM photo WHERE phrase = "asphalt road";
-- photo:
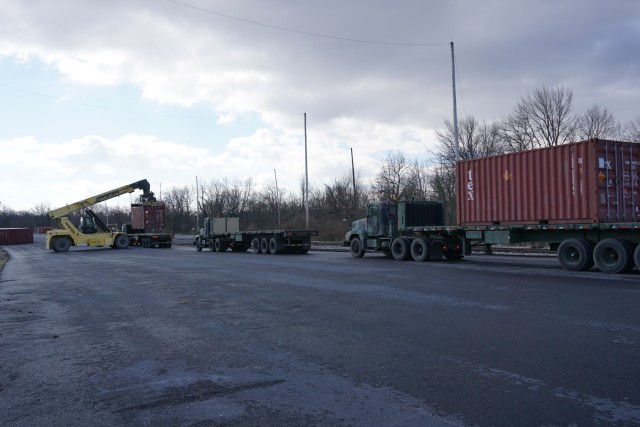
(176, 337)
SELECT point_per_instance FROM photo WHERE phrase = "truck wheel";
(219, 246)
(212, 246)
(420, 249)
(400, 249)
(613, 256)
(264, 245)
(61, 244)
(356, 248)
(255, 245)
(121, 241)
(273, 246)
(198, 246)
(576, 254)
(636, 257)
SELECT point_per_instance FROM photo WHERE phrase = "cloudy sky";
(97, 94)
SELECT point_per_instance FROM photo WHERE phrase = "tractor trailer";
(582, 199)
(223, 233)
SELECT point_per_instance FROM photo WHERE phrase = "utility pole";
(353, 174)
(306, 173)
(277, 196)
(455, 106)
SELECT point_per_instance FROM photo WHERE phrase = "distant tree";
(442, 180)
(397, 177)
(597, 122)
(631, 130)
(179, 204)
(476, 140)
(541, 119)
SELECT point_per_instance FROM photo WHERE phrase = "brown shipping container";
(15, 236)
(148, 216)
(594, 181)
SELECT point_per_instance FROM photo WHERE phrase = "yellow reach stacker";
(92, 231)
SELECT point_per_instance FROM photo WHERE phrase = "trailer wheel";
(356, 248)
(121, 241)
(613, 256)
(264, 245)
(420, 249)
(273, 246)
(61, 244)
(255, 245)
(400, 249)
(636, 257)
(576, 254)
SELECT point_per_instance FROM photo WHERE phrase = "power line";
(306, 33)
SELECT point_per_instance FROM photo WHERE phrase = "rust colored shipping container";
(148, 216)
(42, 230)
(15, 236)
(594, 181)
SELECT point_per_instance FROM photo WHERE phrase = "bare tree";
(597, 122)
(237, 195)
(396, 178)
(443, 187)
(179, 204)
(541, 119)
(476, 140)
(631, 130)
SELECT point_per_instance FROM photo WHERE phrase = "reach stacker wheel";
(61, 244)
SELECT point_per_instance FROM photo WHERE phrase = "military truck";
(223, 233)
(405, 230)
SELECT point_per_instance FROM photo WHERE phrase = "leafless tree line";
(543, 118)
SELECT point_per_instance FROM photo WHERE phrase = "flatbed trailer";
(611, 247)
(150, 240)
(222, 234)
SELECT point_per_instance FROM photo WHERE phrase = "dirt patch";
(4, 257)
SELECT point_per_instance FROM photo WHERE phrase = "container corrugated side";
(594, 181)
(15, 236)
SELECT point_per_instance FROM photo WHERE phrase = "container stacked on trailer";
(148, 226)
(583, 199)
